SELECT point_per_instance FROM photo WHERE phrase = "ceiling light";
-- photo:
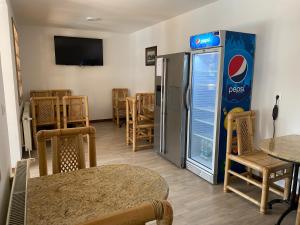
(91, 18)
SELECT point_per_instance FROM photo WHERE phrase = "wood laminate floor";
(195, 201)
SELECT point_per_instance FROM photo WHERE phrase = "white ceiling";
(122, 16)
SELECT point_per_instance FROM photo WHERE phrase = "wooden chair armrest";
(161, 211)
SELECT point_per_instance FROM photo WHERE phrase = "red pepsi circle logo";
(237, 68)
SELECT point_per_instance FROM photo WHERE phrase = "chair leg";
(149, 135)
(127, 134)
(249, 174)
(287, 188)
(113, 116)
(265, 191)
(134, 133)
(227, 175)
(34, 137)
(118, 118)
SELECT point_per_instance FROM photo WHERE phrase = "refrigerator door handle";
(163, 109)
(161, 114)
(188, 97)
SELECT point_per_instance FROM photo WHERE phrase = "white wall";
(41, 72)
(5, 156)
(9, 81)
(276, 23)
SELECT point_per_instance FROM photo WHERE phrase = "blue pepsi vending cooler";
(221, 73)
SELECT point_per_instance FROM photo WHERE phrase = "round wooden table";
(76, 197)
(286, 148)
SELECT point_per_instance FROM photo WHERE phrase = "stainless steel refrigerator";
(170, 119)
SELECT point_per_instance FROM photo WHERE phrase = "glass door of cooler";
(203, 108)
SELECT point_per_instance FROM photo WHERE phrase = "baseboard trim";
(100, 120)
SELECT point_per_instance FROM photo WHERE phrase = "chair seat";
(76, 120)
(259, 160)
(148, 117)
(145, 124)
(46, 124)
(141, 123)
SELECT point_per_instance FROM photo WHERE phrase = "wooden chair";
(271, 169)
(67, 149)
(44, 112)
(119, 104)
(40, 93)
(137, 130)
(144, 102)
(60, 93)
(161, 211)
(75, 111)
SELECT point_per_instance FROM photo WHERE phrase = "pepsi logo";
(237, 68)
(198, 41)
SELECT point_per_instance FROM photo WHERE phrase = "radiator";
(26, 120)
(16, 214)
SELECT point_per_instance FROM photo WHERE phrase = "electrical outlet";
(280, 96)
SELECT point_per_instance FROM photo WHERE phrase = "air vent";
(17, 205)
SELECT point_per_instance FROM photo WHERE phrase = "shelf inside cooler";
(202, 130)
(207, 109)
(208, 72)
(201, 136)
(206, 87)
(205, 122)
(204, 116)
(203, 98)
(201, 150)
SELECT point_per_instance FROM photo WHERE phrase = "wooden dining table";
(79, 196)
(286, 148)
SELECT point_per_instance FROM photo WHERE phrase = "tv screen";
(78, 51)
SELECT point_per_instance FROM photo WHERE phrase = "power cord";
(275, 114)
(274, 128)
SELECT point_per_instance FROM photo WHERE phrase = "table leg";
(276, 201)
(293, 204)
(283, 215)
(292, 200)
(293, 195)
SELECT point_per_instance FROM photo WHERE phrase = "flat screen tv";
(78, 51)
